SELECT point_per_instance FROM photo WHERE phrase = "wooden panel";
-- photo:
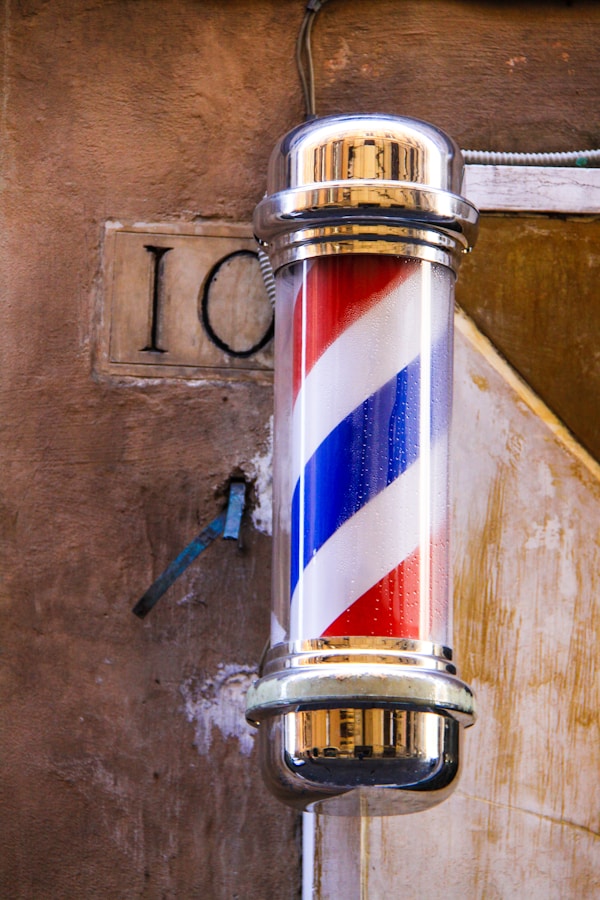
(525, 817)
(533, 189)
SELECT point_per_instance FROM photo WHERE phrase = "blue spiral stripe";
(368, 450)
(364, 454)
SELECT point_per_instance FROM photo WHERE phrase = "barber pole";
(358, 703)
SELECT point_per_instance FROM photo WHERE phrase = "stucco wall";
(114, 782)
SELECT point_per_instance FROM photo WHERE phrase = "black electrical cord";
(304, 60)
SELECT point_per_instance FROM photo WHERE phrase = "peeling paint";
(220, 702)
(340, 59)
(568, 583)
(516, 61)
(546, 535)
(546, 480)
(190, 597)
(260, 469)
(481, 382)
(278, 632)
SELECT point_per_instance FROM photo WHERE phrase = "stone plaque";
(184, 301)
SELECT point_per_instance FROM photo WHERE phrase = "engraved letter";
(156, 283)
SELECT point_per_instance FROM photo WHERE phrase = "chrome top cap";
(365, 184)
(382, 147)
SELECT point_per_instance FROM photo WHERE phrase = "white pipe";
(496, 158)
(308, 855)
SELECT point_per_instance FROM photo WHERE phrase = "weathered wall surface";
(121, 774)
(524, 819)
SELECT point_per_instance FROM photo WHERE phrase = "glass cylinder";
(362, 411)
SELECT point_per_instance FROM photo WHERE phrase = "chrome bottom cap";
(351, 726)
(376, 762)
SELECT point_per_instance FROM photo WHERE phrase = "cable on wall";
(267, 275)
(304, 60)
(496, 158)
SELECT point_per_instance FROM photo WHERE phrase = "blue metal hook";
(226, 523)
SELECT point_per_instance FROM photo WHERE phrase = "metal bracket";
(226, 523)
(235, 510)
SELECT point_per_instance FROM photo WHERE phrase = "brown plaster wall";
(163, 111)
